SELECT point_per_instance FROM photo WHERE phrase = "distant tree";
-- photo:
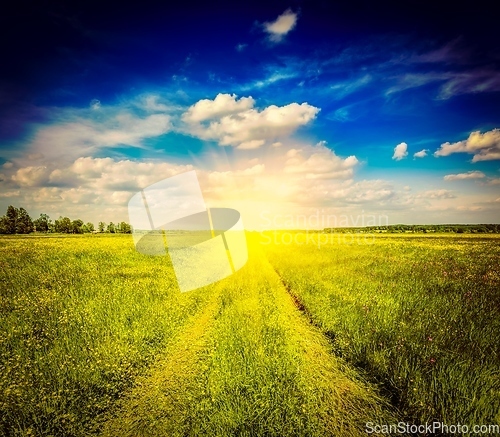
(11, 219)
(16, 221)
(4, 227)
(24, 224)
(124, 228)
(63, 225)
(102, 226)
(42, 223)
(111, 228)
(88, 227)
(77, 226)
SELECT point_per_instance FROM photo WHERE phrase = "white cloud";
(421, 154)
(345, 88)
(493, 181)
(468, 175)
(30, 176)
(341, 114)
(253, 144)
(366, 192)
(279, 28)
(223, 104)
(289, 177)
(469, 208)
(453, 83)
(150, 103)
(35, 156)
(273, 78)
(233, 122)
(96, 174)
(436, 194)
(296, 181)
(89, 186)
(241, 47)
(400, 152)
(95, 104)
(80, 133)
(319, 162)
(470, 82)
(415, 80)
(7, 194)
(484, 147)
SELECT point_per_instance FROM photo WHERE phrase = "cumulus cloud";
(96, 174)
(233, 122)
(279, 28)
(483, 147)
(122, 175)
(400, 151)
(468, 175)
(88, 186)
(283, 181)
(421, 154)
(222, 105)
(30, 176)
(319, 162)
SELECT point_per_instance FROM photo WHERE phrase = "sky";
(297, 114)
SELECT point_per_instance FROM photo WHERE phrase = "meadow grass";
(97, 339)
(418, 314)
(81, 318)
(305, 340)
(256, 368)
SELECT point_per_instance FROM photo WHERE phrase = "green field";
(311, 338)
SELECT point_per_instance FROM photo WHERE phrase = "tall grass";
(97, 339)
(419, 315)
(81, 318)
(257, 368)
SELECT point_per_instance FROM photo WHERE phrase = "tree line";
(394, 229)
(18, 221)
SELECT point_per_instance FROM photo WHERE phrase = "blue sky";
(282, 108)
